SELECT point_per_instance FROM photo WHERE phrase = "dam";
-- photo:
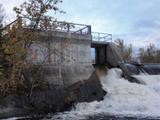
(62, 67)
(66, 53)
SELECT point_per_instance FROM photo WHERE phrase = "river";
(124, 100)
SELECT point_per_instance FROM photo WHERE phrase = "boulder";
(53, 98)
(60, 98)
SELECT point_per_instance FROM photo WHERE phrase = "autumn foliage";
(17, 38)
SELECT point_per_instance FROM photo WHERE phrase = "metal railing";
(62, 26)
(101, 37)
(73, 28)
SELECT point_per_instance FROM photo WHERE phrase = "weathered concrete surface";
(66, 75)
(66, 35)
(113, 55)
(73, 74)
(52, 75)
(58, 48)
(65, 57)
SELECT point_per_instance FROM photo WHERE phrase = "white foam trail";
(152, 81)
(125, 98)
(148, 79)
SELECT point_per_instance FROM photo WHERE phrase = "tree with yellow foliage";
(20, 35)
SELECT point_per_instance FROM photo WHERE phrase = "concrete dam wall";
(61, 48)
(65, 56)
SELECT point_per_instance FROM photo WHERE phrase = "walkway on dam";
(100, 43)
(106, 52)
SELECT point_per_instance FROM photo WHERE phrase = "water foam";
(123, 98)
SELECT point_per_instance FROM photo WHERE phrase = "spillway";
(124, 99)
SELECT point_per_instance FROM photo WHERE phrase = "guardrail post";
(81, 32)
(89, 29)
(111, 37)
(98, 36)
(68, 27)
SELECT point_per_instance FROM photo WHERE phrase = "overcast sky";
(135, 21)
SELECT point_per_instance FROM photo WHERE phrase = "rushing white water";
(123, 98)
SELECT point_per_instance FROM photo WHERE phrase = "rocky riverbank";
(53, 99)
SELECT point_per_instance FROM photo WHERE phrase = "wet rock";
(59, 98)
(87, 90)
(52, 99)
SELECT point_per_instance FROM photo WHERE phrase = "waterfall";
(123, 99)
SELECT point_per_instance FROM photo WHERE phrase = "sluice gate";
(106, 52)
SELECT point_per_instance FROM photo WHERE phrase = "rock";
(87, 90)
(50, 100)
(53, 99)
(13, 105)
(59, 98)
